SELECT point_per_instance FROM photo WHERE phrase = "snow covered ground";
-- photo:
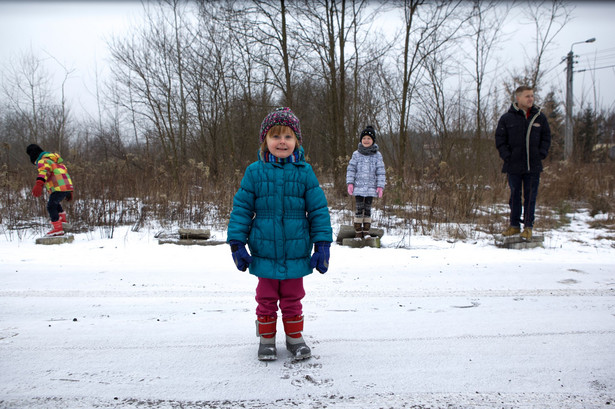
(126, 322)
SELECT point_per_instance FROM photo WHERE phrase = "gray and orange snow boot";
(266, 329)
(295, 344)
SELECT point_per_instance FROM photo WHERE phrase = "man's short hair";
(523, 88)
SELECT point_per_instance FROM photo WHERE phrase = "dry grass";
(444, 201)
(437, 198)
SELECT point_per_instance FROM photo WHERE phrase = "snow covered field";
(126, 322)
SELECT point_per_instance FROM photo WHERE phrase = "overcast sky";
(75, 34)
(591, 19)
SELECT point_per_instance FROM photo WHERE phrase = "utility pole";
(568, 140)
(568, 123)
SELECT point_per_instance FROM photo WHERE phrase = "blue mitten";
(320, 258)
(241, 257)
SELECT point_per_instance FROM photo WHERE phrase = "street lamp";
(568, 130)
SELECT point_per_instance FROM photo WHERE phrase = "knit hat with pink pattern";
(281, 116)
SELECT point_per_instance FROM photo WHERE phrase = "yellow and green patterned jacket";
(52, 171)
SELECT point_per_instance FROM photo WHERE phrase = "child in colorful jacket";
(365, 178)
(280, 212)
(53, 175)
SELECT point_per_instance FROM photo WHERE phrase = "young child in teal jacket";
(280, 212)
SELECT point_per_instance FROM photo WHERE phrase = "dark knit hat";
(34, 151)
(369, 131)
(281, 116)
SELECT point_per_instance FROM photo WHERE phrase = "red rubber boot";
(57, 229)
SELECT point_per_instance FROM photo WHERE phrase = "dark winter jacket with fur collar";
(523, 142)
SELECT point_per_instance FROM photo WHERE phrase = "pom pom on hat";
(281, 116)
(369, 131)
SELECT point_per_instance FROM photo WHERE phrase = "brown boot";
(367, 224)
(358, 230)
(511, 231)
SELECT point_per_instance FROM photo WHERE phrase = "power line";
(604, 50)
(594, 69)
(598, 52)
(600, 57)
(554, 67)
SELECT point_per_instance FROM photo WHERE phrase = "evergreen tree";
(551, 107)
(585, 135)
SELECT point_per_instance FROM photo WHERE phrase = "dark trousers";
(53, 205)
(526, 183)
(364, 206)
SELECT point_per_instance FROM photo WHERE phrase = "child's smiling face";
(367, 141)
(281, 141)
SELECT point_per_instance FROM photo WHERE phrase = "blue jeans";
(53, 205)
(528, 184)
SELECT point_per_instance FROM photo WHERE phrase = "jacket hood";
(54, 157)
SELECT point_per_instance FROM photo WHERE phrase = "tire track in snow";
(141, 347)
(359, 400)
(469, 336)
(598, 292)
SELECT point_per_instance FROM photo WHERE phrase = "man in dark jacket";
(523, 138)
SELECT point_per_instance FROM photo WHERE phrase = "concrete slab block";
(518, 243)
(347, 232)
(55, 240)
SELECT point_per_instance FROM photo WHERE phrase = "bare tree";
(369, 53)
(439, 116)
(336, 37)
(151, 68)
(427, 27)
(260, 30)
(278, 44)
(485, 32)
(60, 120)
(217, 78)
(322, 26)
(29, 92)
(548, 18)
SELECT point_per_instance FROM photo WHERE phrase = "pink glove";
(350, 189)
(379, 190)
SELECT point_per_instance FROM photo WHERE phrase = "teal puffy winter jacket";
(280, 211)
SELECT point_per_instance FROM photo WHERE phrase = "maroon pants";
(288, 293)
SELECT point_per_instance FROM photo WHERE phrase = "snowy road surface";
(125, 322)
